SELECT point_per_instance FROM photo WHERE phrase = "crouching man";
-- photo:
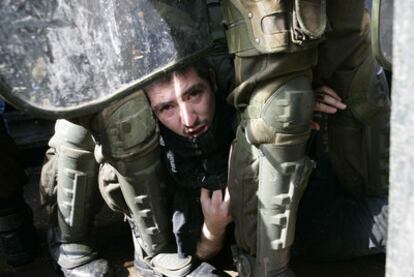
(196, 132)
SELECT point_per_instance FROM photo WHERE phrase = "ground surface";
(114, 244)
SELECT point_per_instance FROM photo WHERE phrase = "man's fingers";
(331, 101)
(329, 97)
(334, 102)
(327, 90)
(204, 195)
(216, 198)
(322, 107)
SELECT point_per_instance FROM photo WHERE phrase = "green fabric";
(358, 136)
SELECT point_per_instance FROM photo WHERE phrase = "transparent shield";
(382, 34)
(64, 58)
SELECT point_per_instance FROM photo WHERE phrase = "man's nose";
(188, 116)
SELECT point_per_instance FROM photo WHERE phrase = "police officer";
(282, 49)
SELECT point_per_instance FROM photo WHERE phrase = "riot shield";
(382, 16)
(65, 58)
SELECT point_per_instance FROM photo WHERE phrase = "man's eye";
(195, 93)
(166, 108)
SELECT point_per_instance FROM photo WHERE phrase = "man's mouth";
(195, 132)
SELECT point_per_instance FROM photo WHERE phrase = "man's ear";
(212, 77)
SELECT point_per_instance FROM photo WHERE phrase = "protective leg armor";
(274, 43)
(277, 123)
(128, 139)
(77, 194)
(162, 264)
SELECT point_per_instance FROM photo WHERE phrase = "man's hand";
(216, 210)
(327, 101)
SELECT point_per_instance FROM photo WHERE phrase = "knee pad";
(285, 116)
(127, 128)
(71, 135)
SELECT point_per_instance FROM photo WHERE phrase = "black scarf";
(201, 161)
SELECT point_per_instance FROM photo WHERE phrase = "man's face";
(185, 104)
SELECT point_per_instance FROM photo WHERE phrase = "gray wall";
(400, 252)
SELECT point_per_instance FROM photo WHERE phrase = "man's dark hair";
(201, 67)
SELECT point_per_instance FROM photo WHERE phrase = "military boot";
(169, 264)
(94, 268)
